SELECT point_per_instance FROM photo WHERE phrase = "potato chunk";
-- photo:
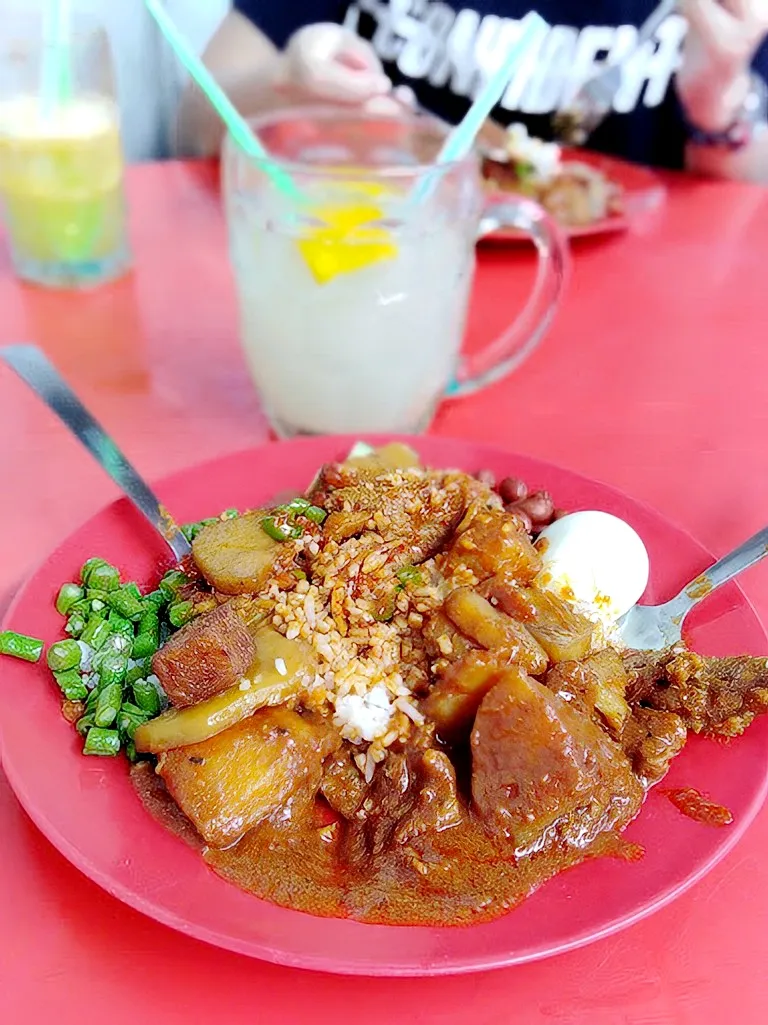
(492, 629)
(281, 670)
(598, 683)
(236, 556)
(205, 657)
(454, 700)
(561, 631)
(230, 783)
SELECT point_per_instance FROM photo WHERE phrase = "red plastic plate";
(87, 808)
(642, 190)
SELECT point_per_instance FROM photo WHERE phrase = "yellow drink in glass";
(61, 186)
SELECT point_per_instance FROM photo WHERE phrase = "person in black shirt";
(694, 96)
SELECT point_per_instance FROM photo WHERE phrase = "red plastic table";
(654, 378)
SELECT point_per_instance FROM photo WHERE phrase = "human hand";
(723, 36)
(328, 63)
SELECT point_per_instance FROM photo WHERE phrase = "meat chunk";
(205, 657)
(543, 772)
(562, 632)
(228, 784)
(436, 806)
(711, 695)
(651, 740)
(492, 629)
(237, 556)
(598, 683)
(413, 794)
(490, 542)
(342, 786)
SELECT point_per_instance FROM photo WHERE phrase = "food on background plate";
(411, 703)
(576, 193)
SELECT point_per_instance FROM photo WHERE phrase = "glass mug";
(353, 298)
(61, 160)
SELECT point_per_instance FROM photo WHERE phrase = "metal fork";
(37, 371)
(594, 100)
(652, 627)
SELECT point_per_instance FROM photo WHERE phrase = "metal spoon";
(36, 370)
(594, 100)
(652, 627)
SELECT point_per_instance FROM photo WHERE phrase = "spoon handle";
(36, 370)
(747, 554)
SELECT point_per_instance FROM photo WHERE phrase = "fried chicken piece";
(651, 739)
(420, 510)
(719, 696)
(491, 542)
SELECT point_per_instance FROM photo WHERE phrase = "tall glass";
(61, 161)
(354, 283)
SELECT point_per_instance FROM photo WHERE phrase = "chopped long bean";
(84, 723)
(119, 625)
(101, 742)
(67, 596)
(96, 632)
(75, 624)
(172, 583)
(129, 718)
(104, 578)
(148, 636)
(64, 655)
(147, 696)
(71, 685)
(155, 600)
(137, 671)
(21, 646)
(112, 669)
(126, 603)
(88, 566)
(108, 704)
(180, 613)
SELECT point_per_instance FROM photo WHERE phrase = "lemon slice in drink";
(348, 239)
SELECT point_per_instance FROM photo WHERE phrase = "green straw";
(461, 140)
(236, 125)
(57, 62)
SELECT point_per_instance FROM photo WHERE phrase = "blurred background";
(149, 78)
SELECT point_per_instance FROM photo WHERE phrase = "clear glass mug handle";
(518, 341)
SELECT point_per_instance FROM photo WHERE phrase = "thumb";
(356, 53)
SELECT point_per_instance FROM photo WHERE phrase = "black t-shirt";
(444, 52)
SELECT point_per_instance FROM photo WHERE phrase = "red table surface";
(654, 378)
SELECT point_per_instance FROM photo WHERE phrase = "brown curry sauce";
(462, 876)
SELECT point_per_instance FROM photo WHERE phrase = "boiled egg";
(595, 560)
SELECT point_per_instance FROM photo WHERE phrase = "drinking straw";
(236, 124)
(462, 138)
(56, 85)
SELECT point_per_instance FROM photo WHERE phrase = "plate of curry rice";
(337, 740)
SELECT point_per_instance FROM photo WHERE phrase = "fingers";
(709, 18)
(332, 63)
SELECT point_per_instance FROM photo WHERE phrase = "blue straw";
(238, 127)
(56, 85)
(461, 140)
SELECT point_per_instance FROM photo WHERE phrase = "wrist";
(713, 101)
